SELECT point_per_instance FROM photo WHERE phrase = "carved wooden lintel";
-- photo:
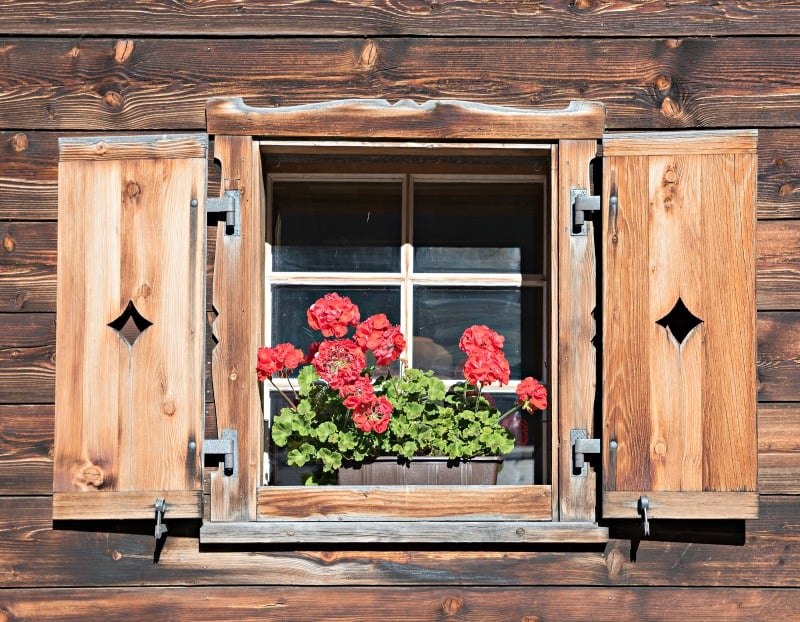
(441, 119)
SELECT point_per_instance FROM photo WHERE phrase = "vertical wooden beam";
(238, 301)
(575, 392)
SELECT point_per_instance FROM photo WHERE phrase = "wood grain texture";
(778, 361)
(762, 553)
(576, 364)
(778, 264)
(440, 119)
(429, 603)
(129, 237)
(779, 449)
(680, 406)
(26, 449)
(334, 503)
(398, 17)
(376, 532)
(29, 175)
(27, 266)
(238, 295)
(164, 84)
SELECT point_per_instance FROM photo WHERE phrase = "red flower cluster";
(385, 341)
(278, 360)
(485, 362)
(339, 362)
(332, 314)
(531, 395)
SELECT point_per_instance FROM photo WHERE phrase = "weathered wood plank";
(29, 176)
(429, 603)
(778, 264)
(33, 554)
(778, 361)
(502, 18)
(27, 266)
(26, 449)
(434, 532)
(779, 449)
(441, 119)
(160, 84)
(334, 503)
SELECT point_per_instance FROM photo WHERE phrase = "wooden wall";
(85, 67)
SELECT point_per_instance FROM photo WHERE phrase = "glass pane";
(525, 463)
(280, 473)
(290, 303)
(479, 227)
(336, 226)
(442, 313)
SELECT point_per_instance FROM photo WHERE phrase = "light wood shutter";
(130, 335)
(679, 349)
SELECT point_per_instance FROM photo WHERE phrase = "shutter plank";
(680, 404)
(129, 400)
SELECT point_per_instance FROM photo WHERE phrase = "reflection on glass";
(479, 227)
(442, 313)
(336, 226)
(290, 303)
(280, 473)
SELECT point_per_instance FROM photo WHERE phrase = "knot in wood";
(369, 55)
(452, 605)
(132, 189)
(663, 83)
(169, 407)
(116, 556)
(144, 290)
(787, 189)
(615, 561)
(670, 177)
(113, 100)
(19, 142)
(90, 477)
(9, 243)
(583, 5)
(123, 50)
(670, 108)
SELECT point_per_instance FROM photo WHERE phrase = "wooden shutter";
(679, 350)
(130, 335)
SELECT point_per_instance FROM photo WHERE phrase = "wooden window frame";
(241, 511)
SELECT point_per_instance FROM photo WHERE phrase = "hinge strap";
(582, 202)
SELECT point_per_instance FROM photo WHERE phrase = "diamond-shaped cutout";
(680, 321)
(130, 324)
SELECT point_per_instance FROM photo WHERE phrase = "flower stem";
(279, 390)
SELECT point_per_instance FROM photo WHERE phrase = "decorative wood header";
(405, 119)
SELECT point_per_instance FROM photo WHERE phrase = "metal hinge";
(230, 204)
(582, 202)
(582, 445)
(228, 448)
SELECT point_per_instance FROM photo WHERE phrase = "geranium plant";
(344, 410)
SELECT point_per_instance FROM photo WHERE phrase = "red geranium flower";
(374, 416)
(531, 395)
(280, 359)
(339, 362)
(484, 367)
(358, 393)
(332, 314)
(312, 352)
(379, 336)
(480, 337)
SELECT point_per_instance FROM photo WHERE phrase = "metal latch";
(643, 506)
(582, 445)
(230, 204)
(161, 507)
(582, 202)
(228, 448)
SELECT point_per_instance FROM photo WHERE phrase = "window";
(677, 406)
(436, 252)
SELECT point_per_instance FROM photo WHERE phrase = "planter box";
(422, 471)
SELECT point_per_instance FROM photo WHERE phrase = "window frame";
(406, 127)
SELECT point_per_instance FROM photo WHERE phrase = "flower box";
(421, 471)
